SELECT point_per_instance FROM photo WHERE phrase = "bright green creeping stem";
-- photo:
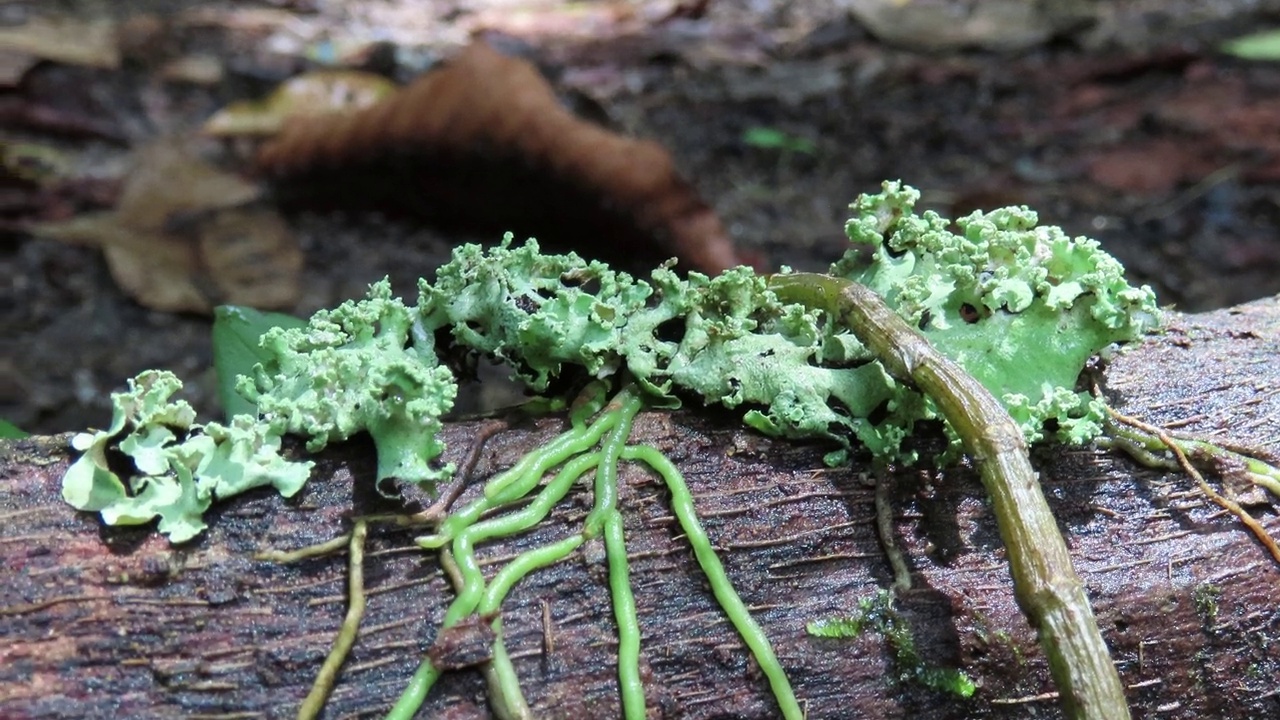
(522, 565)
(624, 611)
(520, 479)
(511, 486)
(754, 637)
(604, 516)
(463, 531)
(502, 673)
(505, 695)
(629, 404)
(474, 593)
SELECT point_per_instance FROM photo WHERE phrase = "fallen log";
(100, 622)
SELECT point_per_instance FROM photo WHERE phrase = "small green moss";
(1205, 597)
(878, 614)
(1004, 638)
(1201, 661)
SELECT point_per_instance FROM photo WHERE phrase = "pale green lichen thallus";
(1020, 307)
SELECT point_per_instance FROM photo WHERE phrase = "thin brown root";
(328, 547)
(346, 638)
(1225, 503)
(884, 527)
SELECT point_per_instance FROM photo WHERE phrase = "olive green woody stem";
(1045, 584)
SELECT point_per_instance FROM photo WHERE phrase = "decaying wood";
(116, 623)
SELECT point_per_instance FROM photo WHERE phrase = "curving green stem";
(520, 479)
(505, 693)
(1119, 423)
(506, 699)
(470, 596)
(626, 404)
(342, 645)
(1143, 445)
(462, 606)
(513, 485)
(752, 634)
(1045, 584)
(520, 566)
(604, 517)
(537, 510)
(624, 611)
(464, 530)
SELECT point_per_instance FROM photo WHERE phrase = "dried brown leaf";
(484, 141)
(187, 237)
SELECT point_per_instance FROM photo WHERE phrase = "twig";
(328, 547)
(1045, 584)
(624, 611)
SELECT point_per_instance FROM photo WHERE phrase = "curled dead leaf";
(484, 143)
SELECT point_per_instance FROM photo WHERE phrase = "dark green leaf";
(236, 331)
(9, 431)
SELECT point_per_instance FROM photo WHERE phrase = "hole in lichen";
(122, 465)
(894, 252)
(1051, 427)
(879, 413)
(584, 280)
(969, 313)
(671, 331)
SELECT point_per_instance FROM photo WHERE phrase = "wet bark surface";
(118, 623)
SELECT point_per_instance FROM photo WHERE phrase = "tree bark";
(115, 622)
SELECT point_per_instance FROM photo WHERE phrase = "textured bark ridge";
(102, 623)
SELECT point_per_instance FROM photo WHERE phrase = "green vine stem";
(465, 530)
(628, 404)
(1045, 584)
(460, 533)
(513, 485)
(472, 593)
(506, 699)
(604, 517)
(506, 696)
(624, 611)
(736, 610)
(520, 479)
